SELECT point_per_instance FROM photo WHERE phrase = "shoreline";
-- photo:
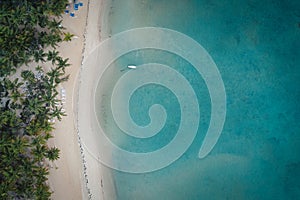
(99, 182)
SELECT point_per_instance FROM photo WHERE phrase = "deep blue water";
(256, 47)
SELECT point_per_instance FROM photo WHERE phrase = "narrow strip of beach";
(66, 177)
(77, 175)
(99, 182)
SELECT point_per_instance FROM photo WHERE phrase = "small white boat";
(131, 66)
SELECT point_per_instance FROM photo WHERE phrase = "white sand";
(79, 175)
(100, 183)
(67, 180)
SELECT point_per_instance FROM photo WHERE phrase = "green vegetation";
(30, 31)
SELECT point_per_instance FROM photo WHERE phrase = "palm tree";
(51, 39)
(39, 55)
(52, 56)
(57, 8)
(62, 63)
(53, 154)
(9, 122)
(55, 26)
(54, 75)
(28, 75)
(42, 190)
(39, 152)
(8, 84)
(39, 69)
(57, 113)
(68, 37)
(48, 98)
(59, 80)
(15, 93)
(35, 105)
(47, 135)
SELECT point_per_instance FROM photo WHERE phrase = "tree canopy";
(29, 102)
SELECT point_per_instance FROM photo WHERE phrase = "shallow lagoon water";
(255, 45)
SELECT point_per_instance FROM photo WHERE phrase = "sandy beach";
(99, 183)
(66, 178)
(77, 175)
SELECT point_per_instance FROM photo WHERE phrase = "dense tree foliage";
(29, 99)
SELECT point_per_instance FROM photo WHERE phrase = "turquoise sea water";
(256, 47)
